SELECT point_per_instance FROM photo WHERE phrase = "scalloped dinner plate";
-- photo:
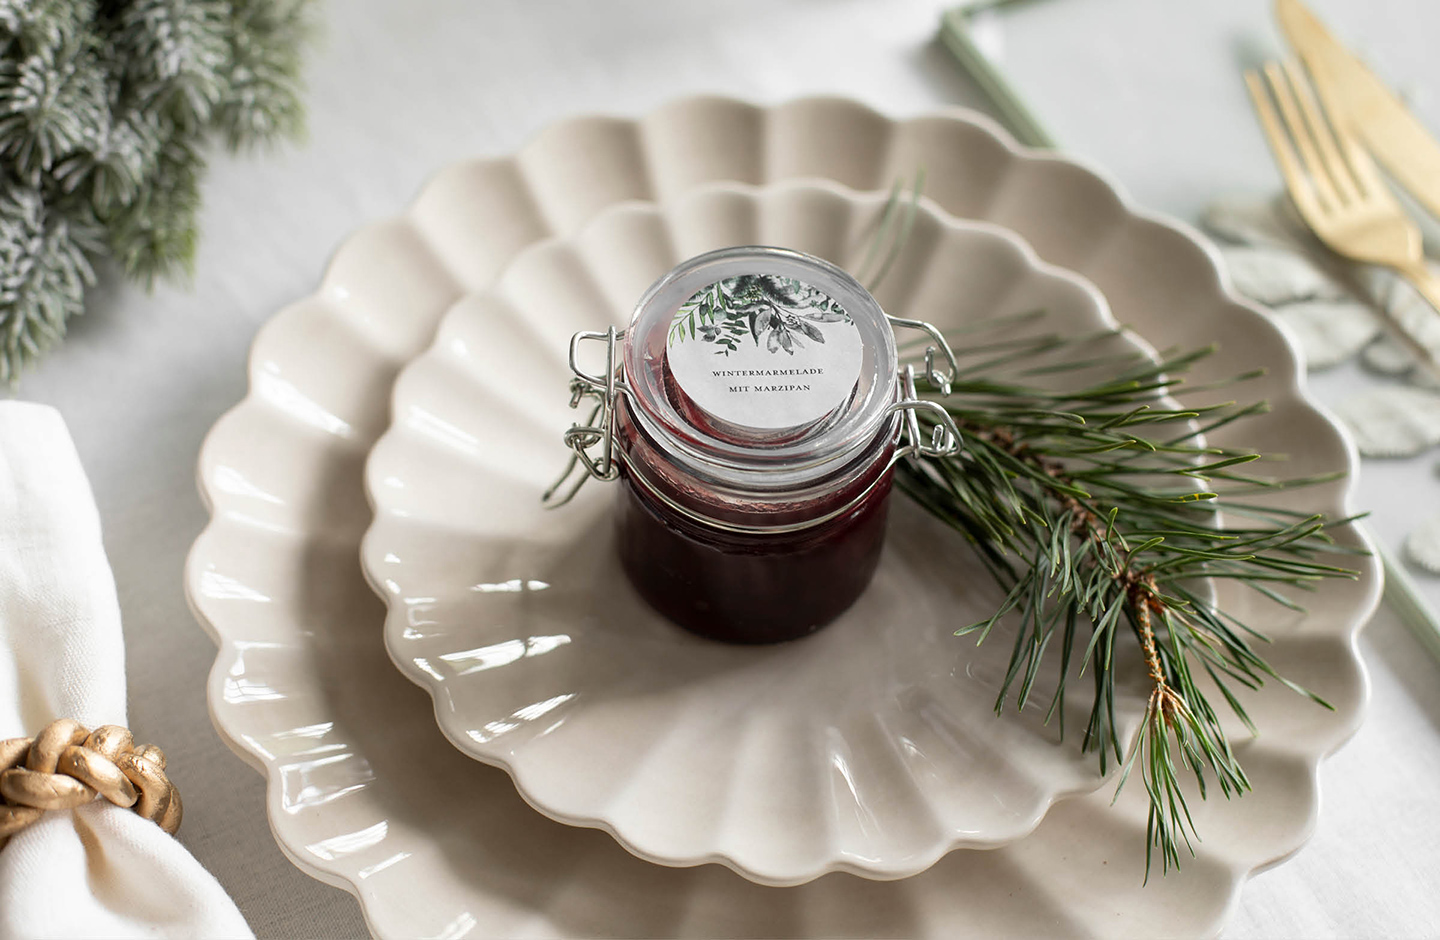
(872, 747)
(365, 793)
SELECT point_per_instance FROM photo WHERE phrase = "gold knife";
(1351, 92)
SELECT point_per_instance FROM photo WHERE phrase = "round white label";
(763, 351)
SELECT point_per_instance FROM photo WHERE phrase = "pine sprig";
(105, 109)
(1102, 512)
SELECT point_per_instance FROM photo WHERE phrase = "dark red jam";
(748, 587)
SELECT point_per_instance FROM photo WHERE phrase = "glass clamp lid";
(762, 369)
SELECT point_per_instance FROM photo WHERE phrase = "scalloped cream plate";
(870, 747)
(365, 793)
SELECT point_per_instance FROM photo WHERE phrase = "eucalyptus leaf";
(1329, 331)
(1248, 220)
(810, 330)
(1423, 545)
(1405, 305)
(1395, 421)
(1275, 276)
(1387, 356)
(1424, 378)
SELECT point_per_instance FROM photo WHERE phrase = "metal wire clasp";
(940, 381)
(593, 442)
(599, 428)
(944, 436)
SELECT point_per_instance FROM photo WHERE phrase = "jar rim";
(813, 451)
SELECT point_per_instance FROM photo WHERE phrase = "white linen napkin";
(99, 871)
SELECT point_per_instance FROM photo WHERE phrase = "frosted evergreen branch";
(44, 270)
(50, 102)
(153, 237)
(262, 102)
(105, 108)
(175, 56)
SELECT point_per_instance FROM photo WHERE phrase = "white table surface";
(1149, 90)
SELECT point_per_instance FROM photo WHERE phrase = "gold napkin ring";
(65, 766)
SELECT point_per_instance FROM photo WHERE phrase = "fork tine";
(1296, 180)
(1367, 178)
(1336, 168)
(1319, 179)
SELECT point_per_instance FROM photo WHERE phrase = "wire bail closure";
(944, 436)
(604, 389)
(940, 381)
(599, 428)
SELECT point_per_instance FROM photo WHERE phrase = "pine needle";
(1089, 525)
(1113, 529)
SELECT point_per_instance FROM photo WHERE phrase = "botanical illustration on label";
(764, 351)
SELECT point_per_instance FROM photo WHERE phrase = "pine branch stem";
(1037, 482)
(1138, 585)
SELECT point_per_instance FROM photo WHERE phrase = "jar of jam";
(752, 412)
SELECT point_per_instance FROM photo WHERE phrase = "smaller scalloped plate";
(872, 747)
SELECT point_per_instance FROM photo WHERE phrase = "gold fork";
(1337, 189)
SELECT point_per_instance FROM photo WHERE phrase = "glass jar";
(752, 411)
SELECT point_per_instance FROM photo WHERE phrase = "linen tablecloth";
(1148, 90)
